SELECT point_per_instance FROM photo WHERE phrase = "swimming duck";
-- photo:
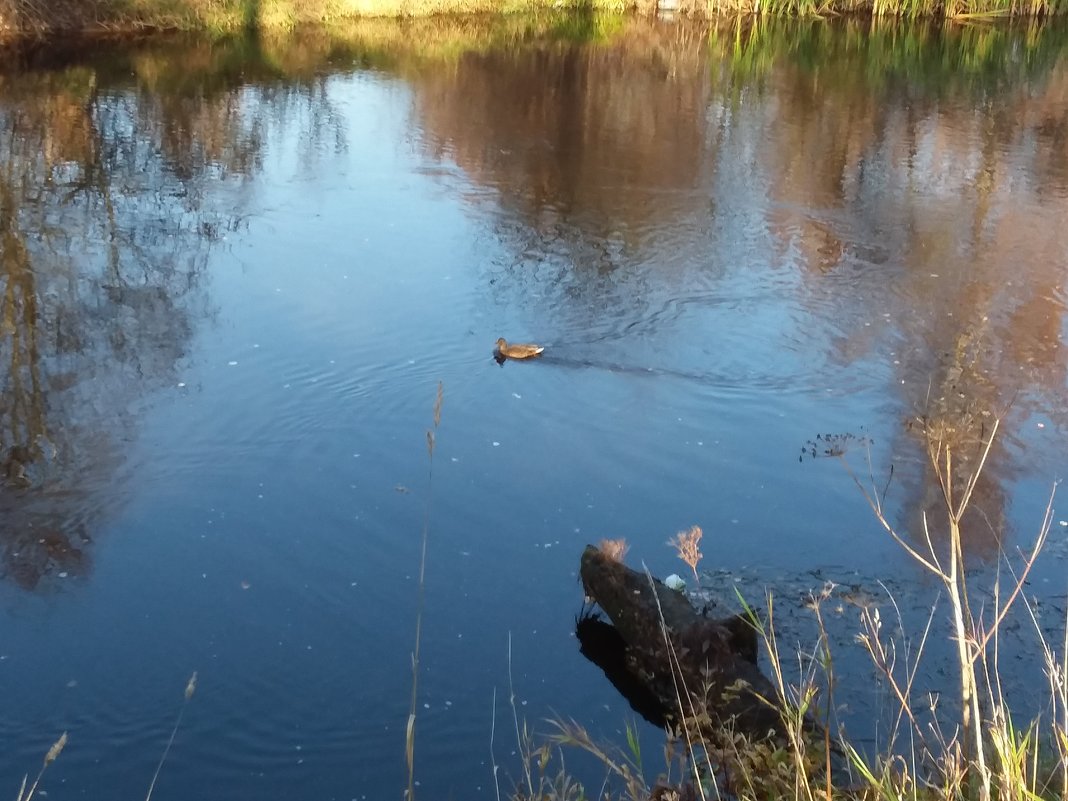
(516, 350)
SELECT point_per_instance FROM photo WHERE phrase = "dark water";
(234, 273)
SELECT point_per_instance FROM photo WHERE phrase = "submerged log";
(716, 682)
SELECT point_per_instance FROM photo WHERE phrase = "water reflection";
(915, 176)
(731, 239)
(113, 193)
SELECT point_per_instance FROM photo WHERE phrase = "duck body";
(517, 350)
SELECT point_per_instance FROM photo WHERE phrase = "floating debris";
(675, 582)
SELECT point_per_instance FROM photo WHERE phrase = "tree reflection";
(961, 293)
(916, 176)
(113, 194)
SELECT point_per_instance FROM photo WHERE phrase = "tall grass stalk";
(50, 757)
(686, 711)
(493, 756)
(992, 750)
(522, 739)
(409, 736)
(190, 688)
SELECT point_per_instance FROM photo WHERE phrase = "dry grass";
(977, 753)
(686, 545)
(25, 794)
(190, 688)
(614, 549)
(47, 17)
(409, 734)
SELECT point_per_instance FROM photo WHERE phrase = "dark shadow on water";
(251, 17)
(600, 643)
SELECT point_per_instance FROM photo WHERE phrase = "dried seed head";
(685, 544)
(56, 749)
(615, 550)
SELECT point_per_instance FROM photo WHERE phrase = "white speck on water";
(496, 444)
(1063, 522)
(255, 344)
(411, 361)
(454, 459)
(285, 386)
(547, 545)
(232, 363)
(1041, 425)
(699, 442)
(355, 456)
(734, 519)
(448, 703)
(517, 396)
(260, 496)
(63, 574)
(181, 384)
(426, 706)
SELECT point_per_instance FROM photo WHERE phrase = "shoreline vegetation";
(46, 19)
(966, 746)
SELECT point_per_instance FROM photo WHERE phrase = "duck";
(517, 350)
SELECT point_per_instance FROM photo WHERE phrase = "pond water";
(235, 272)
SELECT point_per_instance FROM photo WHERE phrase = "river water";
(234, 273)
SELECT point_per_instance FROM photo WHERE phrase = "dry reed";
(50, 757)
(686, 545)
(409, 732)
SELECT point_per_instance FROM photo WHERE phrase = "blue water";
(241, 466)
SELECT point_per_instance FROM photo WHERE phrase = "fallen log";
(703, 671)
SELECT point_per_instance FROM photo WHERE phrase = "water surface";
(234, 274)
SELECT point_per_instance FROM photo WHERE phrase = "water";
(235, 272)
